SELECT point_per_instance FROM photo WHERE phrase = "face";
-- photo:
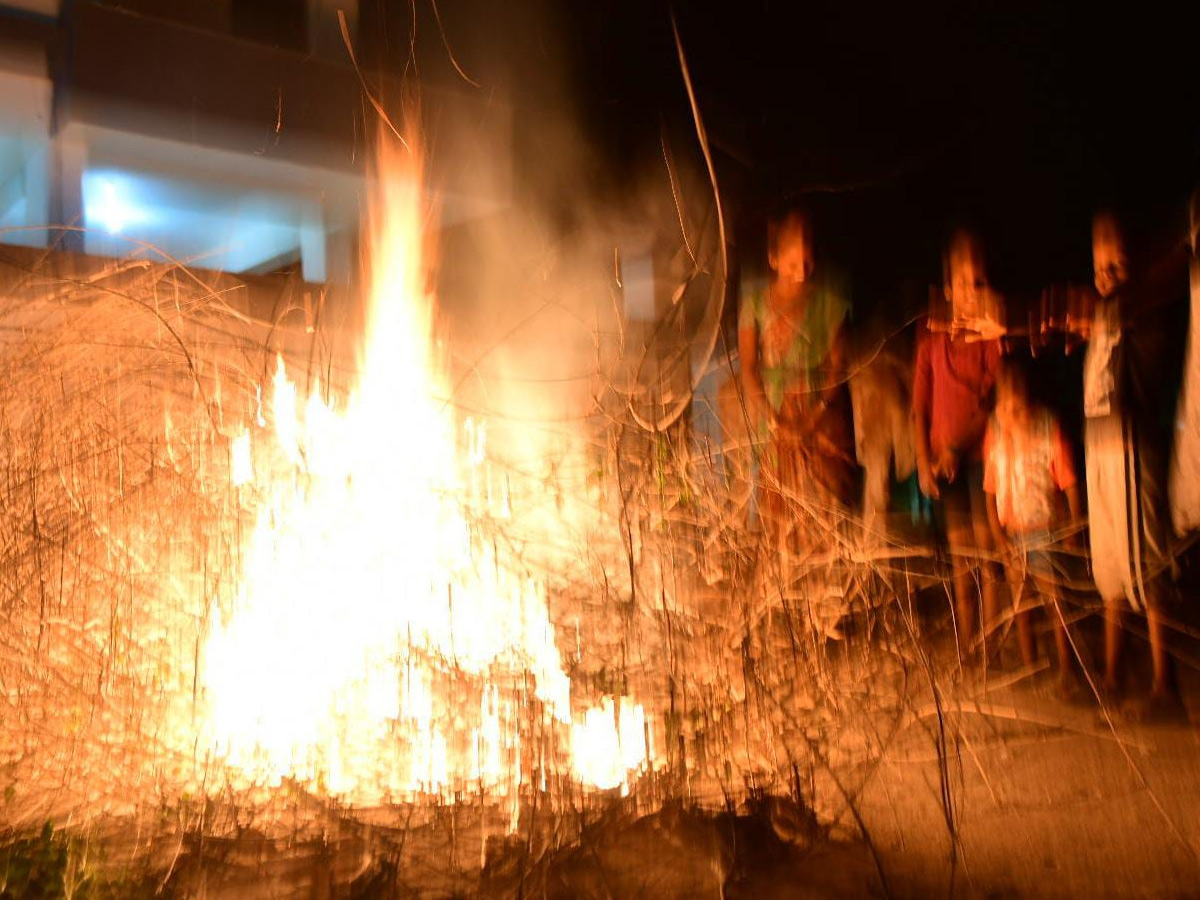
(1108, 255)
(967, 285)
(1010, 408)
(792, 260)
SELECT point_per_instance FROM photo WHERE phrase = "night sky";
(898, 120)
(893, 121)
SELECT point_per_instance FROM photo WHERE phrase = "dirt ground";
(1033, 796)
(1048, 799)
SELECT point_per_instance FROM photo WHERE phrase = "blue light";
(106, 205)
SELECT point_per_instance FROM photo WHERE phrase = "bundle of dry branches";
(121, 534)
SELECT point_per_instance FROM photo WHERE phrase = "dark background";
(892, 121)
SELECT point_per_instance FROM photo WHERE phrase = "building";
(229, 134)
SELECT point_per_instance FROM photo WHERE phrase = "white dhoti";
(1185, 461)
(1130, 542)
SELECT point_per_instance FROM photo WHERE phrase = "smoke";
(572, 304)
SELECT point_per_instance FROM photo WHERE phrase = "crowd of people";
(998, 467)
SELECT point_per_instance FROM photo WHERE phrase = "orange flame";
(364, 582)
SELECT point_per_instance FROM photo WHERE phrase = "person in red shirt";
(1027, 464)
(953, 381)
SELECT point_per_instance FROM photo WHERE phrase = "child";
(1027, 462)
(790, 340)
(953, 380)
(1131, 372)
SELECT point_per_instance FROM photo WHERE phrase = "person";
(1131, 371)
(792, 347)
(1027, 464)
(1184, 487)
(791, 339)
(953, 379)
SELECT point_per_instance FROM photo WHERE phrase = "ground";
(1049, 800)
(1045, 798)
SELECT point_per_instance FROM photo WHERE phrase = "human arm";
(946, 464)
(1062, 468)
(752, 383)
(987, 324)
(922, 397)
(1075, 305)
(811, 408)
(990, 466)
(836, 372)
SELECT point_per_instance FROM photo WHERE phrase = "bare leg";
(1019, 587)
(989, 589)
(1165, 682)
(965, 605)
(1068, 667)
(1164, 703)
(1114, 646)
(1062, 641)
(989, 574)
(965, 602)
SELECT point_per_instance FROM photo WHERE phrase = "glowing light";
(610, 743)
(379, 645)
(241, 463)
(110, 209)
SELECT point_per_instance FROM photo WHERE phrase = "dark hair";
(963, 235)
(1137, 239)
(785, 220)
(1013, 377)
(1119, 217)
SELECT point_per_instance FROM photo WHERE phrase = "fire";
(610, 742)
(379, 643)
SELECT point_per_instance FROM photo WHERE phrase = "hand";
(947, 465)
(983, 328)
(927, 481)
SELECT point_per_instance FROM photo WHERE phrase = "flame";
(376, 633)
(610, 742)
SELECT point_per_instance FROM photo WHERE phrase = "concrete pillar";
(70, 155)
(313, 263)
(37, 191)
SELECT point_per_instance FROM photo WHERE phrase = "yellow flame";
(364, 584)
(241, 462)
(610, 742)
